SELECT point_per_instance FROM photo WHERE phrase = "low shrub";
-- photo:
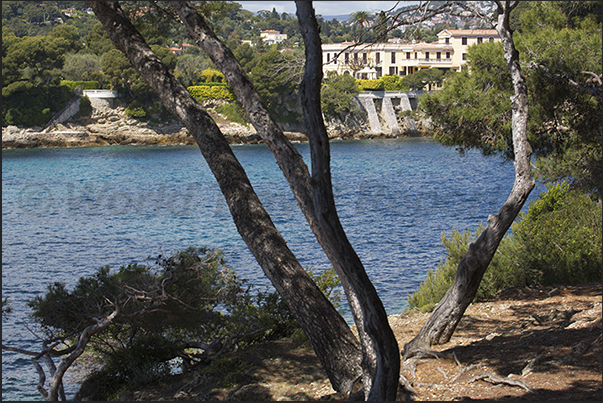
(190, 296)
(393, 83)
(84, 85)
(24, 104)
(85, 107)
(212, 91)
(233, 112)
(371, 85)
(558, 241)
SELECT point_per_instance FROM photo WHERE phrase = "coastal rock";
(110, 125)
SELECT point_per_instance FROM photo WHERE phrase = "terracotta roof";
(468, 32)
(444, 46)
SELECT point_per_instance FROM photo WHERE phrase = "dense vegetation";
(560, 46)
(47, 43)
(184, 310)
(558, 241)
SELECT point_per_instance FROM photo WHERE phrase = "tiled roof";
(468, 32)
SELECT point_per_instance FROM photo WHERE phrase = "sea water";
(67, 212)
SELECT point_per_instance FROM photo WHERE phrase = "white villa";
(271, 36)
(371, 61)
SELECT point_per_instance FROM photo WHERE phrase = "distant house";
(180, 49)
(270, 36)
(175, 50)
(187, 46)
(398, 57)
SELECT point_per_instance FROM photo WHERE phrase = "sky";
(324, 7)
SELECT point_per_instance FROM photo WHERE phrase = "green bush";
(393, 83)
(371, 85)
(190, 295)
(337, 95)
(135, 110)
(233, 112)
(84, 85)
(558, 241)
(24, 104)
(212, 91)
(85, 107)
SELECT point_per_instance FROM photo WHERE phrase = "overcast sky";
(324, 7)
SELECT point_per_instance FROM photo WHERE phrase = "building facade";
(271, 36)
(396, 57)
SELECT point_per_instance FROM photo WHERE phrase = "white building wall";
(408, 57)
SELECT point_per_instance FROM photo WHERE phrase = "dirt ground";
(526, 344)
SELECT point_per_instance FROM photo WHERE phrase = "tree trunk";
(381, 355)
(448, 312)
(315, 198)
(331, 337)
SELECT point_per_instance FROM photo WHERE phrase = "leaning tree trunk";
(448, 312)
(381, 355)
(314, 196)
(329, 334)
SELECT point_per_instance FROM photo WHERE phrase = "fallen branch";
(495, 379)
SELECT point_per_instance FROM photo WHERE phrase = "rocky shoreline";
(111, 126)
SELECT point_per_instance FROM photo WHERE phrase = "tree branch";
(315, 314)
(571, 83)
(381, 352)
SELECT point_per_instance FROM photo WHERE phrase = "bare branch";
(596, 77)
(82, 342)
(495, 379)
(42, 378)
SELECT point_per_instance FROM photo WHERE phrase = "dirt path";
(526, 344)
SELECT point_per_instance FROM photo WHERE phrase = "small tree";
(423, 78)
(337, 98)
(190, 306)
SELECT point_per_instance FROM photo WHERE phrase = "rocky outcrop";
(111, 126)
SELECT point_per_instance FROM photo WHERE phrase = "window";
(378, 57)
(393, 70)
(438, 55)
(364, 58)
(426, 55)
(347, 57)
(328, 57)
(393, 57)
(447, 55)
(490, 39)
(379, 71)
(464, 56)
(480, 39)
(464, 40)
(408, 55)
(447, 40)
(416, 55)
(356, 58)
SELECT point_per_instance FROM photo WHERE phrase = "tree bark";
(448, 312)
(330, 336)
(381, 354)
(314, 196)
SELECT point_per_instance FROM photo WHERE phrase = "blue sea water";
(67, 212)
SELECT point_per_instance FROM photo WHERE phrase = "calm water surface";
(66, 212)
